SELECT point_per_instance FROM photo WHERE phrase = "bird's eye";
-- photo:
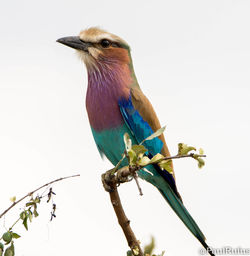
(105, 43)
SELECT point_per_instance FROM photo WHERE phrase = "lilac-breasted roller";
(116, 105)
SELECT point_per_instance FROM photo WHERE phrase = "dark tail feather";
(184, 215)
(208, 249)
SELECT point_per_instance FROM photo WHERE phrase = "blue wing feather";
(138, 127)
(141, 130)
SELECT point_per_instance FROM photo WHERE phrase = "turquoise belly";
(111, 144)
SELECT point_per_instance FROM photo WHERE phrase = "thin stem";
(180, 156)
(137, 183)
(14, 223)
(118, 165)
(32, 192)
(175, 157)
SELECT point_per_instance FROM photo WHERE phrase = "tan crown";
(95, 35)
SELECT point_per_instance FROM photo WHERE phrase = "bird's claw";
(121, 178)
(107, 180)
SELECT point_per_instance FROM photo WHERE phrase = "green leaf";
(7, 237)
(129, 253)
(166, 165)
(15, 235)
(143, 161)
(1, 246)
(30, 216)
(127, 142)
(13, 199)
(156, 158)
(22, 215)
(201, 151)
(155, 134)
(132, 157)
(140, 156)
(159, 254)
(35, 213)
(25, 222)
(10, 251)
(1, 252)
(184, 149)
(148, 249)
(201, 162)
(29, 204)
(37, 200)
(139, 149)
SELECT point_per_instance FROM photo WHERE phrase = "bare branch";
(124, 222)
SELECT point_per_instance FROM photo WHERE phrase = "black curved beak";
(74, 42)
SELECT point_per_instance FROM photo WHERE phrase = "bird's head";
(99, 49)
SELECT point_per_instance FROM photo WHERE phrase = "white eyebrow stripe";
(95, 35)
(97, 38)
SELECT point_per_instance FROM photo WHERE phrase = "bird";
(116, 105)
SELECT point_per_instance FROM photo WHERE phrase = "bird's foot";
(113, 178)
(108, 180)
(121, 178)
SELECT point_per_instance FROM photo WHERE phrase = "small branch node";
(114, 203)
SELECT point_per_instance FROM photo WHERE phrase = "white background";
(192, 59)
